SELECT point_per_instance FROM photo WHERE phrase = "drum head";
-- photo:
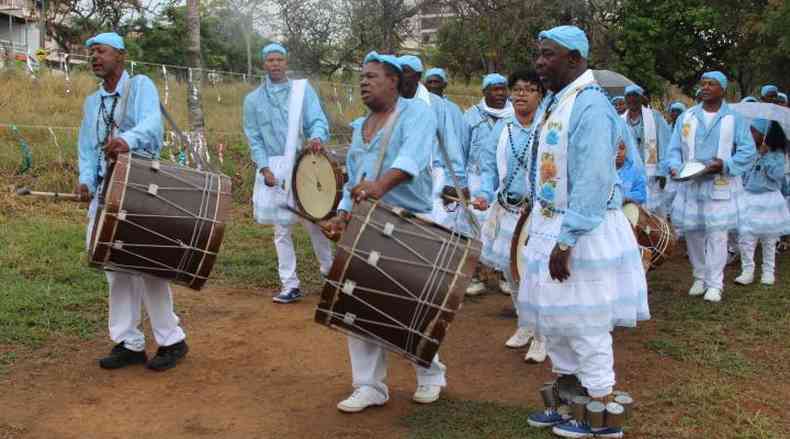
(317, 185)
(631, 212)
(520, 237)
(690, 170)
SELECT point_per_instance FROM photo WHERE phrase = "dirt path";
(266, 371)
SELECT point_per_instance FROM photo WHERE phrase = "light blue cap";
(570, 37)
(716, 76)
(782, 97)
(436, 71)
(383, 59)
(412, 62)
(760, 125)
(768, 89)
(634, 89)
(677, 106)
(618, 99)
(273, 48)
(108, 39)
(493, 79)
(748, 99)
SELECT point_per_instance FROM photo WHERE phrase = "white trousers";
(127, 294)
(369, 367)
(708, 254)
(590, 358)
(286, 255)
(748, 245)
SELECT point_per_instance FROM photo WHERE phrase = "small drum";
(691, 169)
(655, 236)
(520, 238)
(397, 280)
(318, 180)
(161, 220)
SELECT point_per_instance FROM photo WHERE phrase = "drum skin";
(405, 296)
(317, 183)
(161, 220)
(652, 233)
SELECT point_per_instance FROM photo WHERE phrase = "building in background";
(20, 26)
(426, 24)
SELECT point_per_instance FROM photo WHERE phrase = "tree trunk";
(248, 43)
(194, 103)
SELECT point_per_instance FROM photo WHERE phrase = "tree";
(196, 121)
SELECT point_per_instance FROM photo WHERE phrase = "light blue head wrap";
(748, 99)
(782, 97)
(761, 125)
(493, 79)
(767, 89)
(716, 76)
(412, 62)
(436, 72)
(383, 59)
(570, 37)
(677, 106)
(618, 99)
(108, 39)
(273, 48)
(634, 89)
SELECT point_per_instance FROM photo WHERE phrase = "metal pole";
(11, 36)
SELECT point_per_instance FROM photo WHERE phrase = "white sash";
(722, 185)
(649, 140)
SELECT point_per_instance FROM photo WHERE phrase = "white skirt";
(763, 215)
(606, 288)
(695, 210)
(497, 236)
(266, 200)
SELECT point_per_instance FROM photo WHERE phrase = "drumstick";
(64, 195)
(298, 213)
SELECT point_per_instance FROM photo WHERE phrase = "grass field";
(719, 371)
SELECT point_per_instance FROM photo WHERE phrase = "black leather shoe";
(121, 357)
(167, 356)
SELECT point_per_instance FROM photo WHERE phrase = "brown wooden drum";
(655, 236)
(520, 238)
(318, 180)
(160, 219)
(397, 280)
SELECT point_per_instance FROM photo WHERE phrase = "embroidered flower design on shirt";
(547, 191)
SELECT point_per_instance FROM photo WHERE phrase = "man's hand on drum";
(367, 189)
(334, 227)
(714, 167)
(268, 177)
(315, 145)
(83, 192)
(480, 203)
(115, 146)
(559, 266)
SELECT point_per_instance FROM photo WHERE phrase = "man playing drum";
(397, 139)
(583, 272)
(277, 116)
(124, 116)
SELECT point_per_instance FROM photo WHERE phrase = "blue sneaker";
(545, 418)
(609, 432)
(290, 296)
(573, 429)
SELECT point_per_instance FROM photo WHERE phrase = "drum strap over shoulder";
(385, 140)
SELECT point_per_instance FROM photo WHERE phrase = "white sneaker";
(362, 398)
(426, 394)
(519, 339)
(504, 287)
(713, 295)
(746, 278)
(537, 351)
(475, 288)
(698, 288)
(767, 279)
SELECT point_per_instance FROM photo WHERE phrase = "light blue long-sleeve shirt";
(480, 125)
(633, 182)
(592, 178)
(409, 150)
(707, 142)
(516, 166)
(663, 134)
(141, 127)
(266, 120)
(456, 115)
(767, 174)
(448, 133)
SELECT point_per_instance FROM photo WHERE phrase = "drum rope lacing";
(211, 181)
